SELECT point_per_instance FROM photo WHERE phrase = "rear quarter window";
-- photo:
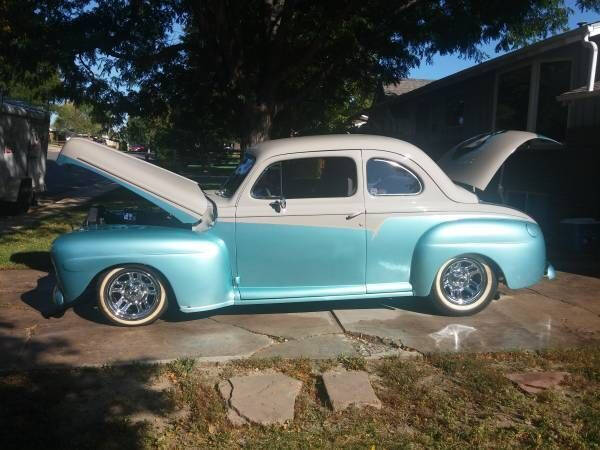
(386, 177)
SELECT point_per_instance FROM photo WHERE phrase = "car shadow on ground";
(85, 307)
(37, 260)
(412, 304)
(39, 298)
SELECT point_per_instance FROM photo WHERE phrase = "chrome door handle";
(353, 215)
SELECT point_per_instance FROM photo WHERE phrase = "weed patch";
(350, 362)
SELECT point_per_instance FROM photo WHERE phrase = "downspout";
(593, 60)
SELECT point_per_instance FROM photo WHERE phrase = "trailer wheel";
(25, 197)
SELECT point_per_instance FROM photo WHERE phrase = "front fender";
(516, 247)
(196, 265)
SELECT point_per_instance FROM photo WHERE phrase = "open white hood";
(475, 161)
(179, 196)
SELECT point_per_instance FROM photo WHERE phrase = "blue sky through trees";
(443, 66)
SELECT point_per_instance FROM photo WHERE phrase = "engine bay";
(100, 215)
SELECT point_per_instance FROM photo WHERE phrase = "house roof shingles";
(404, 86)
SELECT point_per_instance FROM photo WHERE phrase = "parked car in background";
(303, 219)
(23, 150)
(99, 139)
(137, 148)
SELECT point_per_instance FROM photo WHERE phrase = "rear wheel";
(464, 286)
(132, 295)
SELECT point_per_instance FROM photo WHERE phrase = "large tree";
(251, 63)
(260, 68)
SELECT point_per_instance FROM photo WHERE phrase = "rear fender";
(515, 247)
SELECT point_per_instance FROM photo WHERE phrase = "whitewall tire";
(132, 295)
(463, 286)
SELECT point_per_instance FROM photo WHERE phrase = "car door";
(300, 227)
(401, 203)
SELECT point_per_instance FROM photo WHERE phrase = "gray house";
(551, 88)
(541, 88)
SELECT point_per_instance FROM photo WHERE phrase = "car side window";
(385, 177)
(324, 177)
(269, 183)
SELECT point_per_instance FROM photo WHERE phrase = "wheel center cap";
(459, 278)
(135, 292)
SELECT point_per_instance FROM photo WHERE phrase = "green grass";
(439, 401)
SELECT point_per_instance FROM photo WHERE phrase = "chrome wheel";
(133, 295)
(463, 281)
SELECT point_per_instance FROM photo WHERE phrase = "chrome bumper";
(58, 301)
(57, 297)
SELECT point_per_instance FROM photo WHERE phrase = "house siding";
(420, 116)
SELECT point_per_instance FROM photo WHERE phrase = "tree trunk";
(256, 126)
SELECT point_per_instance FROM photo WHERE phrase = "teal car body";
(247, 244)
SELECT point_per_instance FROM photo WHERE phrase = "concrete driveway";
(563, 312)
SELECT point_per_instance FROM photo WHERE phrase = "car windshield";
(237, 177)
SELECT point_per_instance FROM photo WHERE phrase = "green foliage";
(215, 71)
(181, 367)
(34, 39)
(77, 119)
(325, 116)
(351, 362)
(137, 131)
(33, 89)
(275, 69)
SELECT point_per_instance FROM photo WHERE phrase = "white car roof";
(276, 147)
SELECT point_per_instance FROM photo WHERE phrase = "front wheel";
(131, 295)
(464, 286)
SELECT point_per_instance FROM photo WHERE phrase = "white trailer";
(23, 151)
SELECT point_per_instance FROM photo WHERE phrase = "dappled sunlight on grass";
(36, 237)
(441, 401)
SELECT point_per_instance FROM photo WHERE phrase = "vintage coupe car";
(304, 219)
